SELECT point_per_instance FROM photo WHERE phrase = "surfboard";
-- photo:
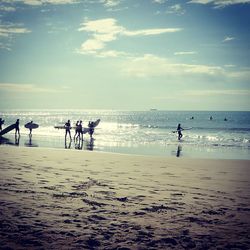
(62, 127)
(8, 129)
(175, 131)
(30, 125)
(96, 123)
(85, 130)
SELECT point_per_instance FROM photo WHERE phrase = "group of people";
(79, 131)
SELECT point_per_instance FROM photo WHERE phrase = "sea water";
(140, 132)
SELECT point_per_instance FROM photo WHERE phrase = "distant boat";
(153, 109)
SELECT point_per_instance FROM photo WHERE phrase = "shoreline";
(178, 149)
(67, 199)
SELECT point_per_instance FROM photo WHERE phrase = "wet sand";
(64, 199)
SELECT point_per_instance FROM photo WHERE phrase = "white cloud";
(153, 66)
(7, 8)
(41, 2)
(150, 65)
(181, 53)
(176, 9)
(220, 3)
(238, 92)
(110, 3)
(228, 39)
(26, 88)
(160, 1)
(107, 30)
(7, 30)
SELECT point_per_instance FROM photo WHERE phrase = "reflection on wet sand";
(178, 152)
(29, 143)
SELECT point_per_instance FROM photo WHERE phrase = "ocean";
(139, 132)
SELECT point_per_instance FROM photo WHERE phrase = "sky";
(125, 54)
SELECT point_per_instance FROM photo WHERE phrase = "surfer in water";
(17, 129)
(67, 129)
(179, 129)
(1, 123)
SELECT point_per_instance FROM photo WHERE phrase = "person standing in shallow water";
(1, 123)
(179, 129)
(67, 129)
(30, 135)
(17, 129)
(77, 124)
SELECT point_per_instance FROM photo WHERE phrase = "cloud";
(7, 30)
(110, 3)
(41, 2)
(7, 8)
(150, 65)
(176, 9)
(238, 92)
(106, 30)
(181, 53)
(26, 88)
(160, 1)
(220, 3)
(228, 39)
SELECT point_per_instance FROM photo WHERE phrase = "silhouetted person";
(211, 118)
(225, 119)
(192, 118)
(17, 129)
(79, 131)
(1, 123)
(91, 129)
(77, 123)
(67, 129)
(30, 128)
(179, 129)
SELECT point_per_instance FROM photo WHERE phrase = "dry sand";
(65, 199)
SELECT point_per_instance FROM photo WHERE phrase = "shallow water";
(141, 132)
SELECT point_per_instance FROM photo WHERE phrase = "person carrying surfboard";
(179, 129)
(91, 129)
(17, 127)
(30, 128)
(1, 123)
(76, 132)
(67, 129)
(79, 131)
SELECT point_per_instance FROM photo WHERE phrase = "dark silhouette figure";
(192, 118)
(211, 118)
(17, 128)
(30, 134)
(77, 124)
(67, 129)
(91, 129)
(79, 131)
(225, 119)
(1, 123)
(179, 129)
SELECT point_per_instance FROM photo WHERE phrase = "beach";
(70, 199)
